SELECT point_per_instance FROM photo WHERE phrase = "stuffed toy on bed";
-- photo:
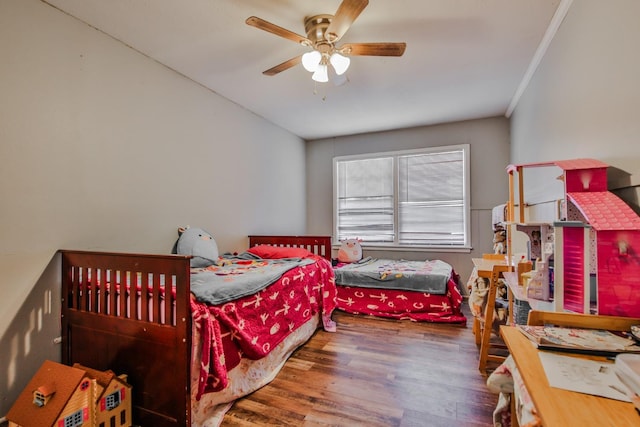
(350, 251)
(197, 243)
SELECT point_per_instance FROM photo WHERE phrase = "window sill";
(394, 248)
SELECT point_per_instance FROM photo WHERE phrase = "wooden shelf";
(512, 282)
(519, 292)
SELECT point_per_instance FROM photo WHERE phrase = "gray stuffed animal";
(199, 244)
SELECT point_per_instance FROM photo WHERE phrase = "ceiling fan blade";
(267, 26)
(284, 66)
(373, 49)
(347, 12)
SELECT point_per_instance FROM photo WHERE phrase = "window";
(417, 198)
(74, 420)
(112, 401)
(39, 398)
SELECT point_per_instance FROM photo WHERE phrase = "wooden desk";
(491, 269)
(557, 407)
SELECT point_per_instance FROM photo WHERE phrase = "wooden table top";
(558, 407)
(483, 264)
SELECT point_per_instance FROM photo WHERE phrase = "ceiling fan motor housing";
(316, 28)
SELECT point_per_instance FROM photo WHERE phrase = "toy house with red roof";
(597, 242)
(112, 400)
(65, 396)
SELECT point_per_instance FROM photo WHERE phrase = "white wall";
(489, 141)
(584, 99)
(103, 148)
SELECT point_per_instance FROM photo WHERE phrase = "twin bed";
(188, 358)
(400, 289)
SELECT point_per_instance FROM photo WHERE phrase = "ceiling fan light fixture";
(323, 32)
(321, 74)
(340, 63)
(311, 60)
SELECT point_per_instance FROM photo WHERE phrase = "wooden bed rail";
(319, 245)
(131, 313)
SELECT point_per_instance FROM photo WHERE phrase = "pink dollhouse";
(596, 239)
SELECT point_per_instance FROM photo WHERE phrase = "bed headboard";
(319, 245)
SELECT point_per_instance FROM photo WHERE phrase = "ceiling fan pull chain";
(322, 88)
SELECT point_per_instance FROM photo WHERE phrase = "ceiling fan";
(323, 32)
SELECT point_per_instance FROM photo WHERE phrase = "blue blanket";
(239, 276)
(422, 276)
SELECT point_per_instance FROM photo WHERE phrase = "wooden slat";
(155, 299)
(100, 291)
(111, 292)
(168, 301)
(127, 286)
(587, 321)
(133, 300)
(144, 298)
(84, 289)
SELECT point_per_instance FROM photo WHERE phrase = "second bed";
(400, 289)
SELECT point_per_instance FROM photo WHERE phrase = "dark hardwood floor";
(376, 372)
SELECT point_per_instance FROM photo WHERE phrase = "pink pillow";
(274, 252)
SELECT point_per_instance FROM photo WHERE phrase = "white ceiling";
(465, 59)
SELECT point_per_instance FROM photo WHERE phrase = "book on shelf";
(578, 340)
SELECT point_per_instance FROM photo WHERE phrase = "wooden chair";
(491, 267)
(487, 325)
(477, 323)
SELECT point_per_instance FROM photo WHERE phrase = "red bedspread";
(251, 326)
(400, 304)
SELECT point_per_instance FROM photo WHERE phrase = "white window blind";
(365, 199)
(409, 198)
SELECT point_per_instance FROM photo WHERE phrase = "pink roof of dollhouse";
(564, 164)
(580, 164)
(605, 211)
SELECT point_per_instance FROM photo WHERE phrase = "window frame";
(112, 400)
(74, 419)
(396, 245)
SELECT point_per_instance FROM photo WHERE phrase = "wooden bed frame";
(146, 335)
(319, 245)
(108, 322)
(129, 335)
